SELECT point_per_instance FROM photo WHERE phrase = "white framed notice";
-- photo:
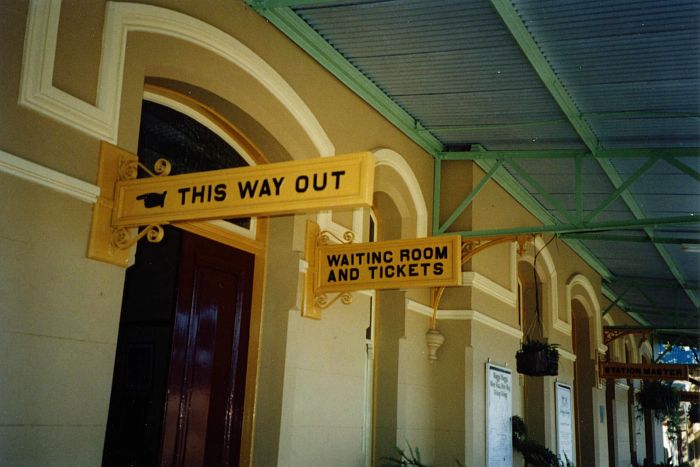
(565, 438)
(499, 410)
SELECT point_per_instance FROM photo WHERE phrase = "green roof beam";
(310, 41)
(573, 228)
(541, 190)
(683, 168)
(621, 189)
(631, 239)
(667, 283)
(611, 295)
(470, 197)
(437, 184)
(541, 65)
(527, 43)
(668, 154)
(615, 302)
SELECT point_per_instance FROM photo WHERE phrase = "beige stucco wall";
(60, 313)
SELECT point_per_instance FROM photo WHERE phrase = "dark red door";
(206, 380)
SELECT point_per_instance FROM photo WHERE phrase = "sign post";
(394, 264)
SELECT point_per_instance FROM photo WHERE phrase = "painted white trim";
(464, 315)
(489, 287)
(645, 350)
(589, 300)
(419, 308)
(566, 354)
(417, 206)
(562, 326)
(101, 120)
(49, 178)
(548, 275)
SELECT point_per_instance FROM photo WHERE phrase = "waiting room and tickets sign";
(421, 262)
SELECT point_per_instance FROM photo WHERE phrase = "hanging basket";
(537, 359)
(658, 396)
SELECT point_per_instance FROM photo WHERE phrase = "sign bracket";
(471, 247)
(108, 243)
(313, 302)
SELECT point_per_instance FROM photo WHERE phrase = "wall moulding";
(489, 287)
(101, 120)
(464, 315)
(35, 173)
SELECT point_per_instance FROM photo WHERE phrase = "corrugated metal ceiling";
(548, 76)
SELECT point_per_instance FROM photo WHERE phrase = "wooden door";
(179, 377)
(206, 381)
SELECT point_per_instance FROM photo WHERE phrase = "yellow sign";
(422, 262)
(642, 371)
(281, 188)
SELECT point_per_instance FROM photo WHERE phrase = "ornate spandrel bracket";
(324, 237)
(610, 334)
(314, 303)
(470, 248)
(107, 243)
(122, 237)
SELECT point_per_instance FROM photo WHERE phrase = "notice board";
(499, 428)
(565, 438)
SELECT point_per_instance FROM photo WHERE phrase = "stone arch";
(616, 348)
(539, 257)
(646, 351)
(580, 288)
(629, 344)
(394, 177)
(102, 120)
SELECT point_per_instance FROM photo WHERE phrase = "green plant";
(533, 345)
(412, 458)
(668, 463)
(658, 396)
(664, 400)
(534, 454)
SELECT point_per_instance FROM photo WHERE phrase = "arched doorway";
(399, 332)
(585, 381)
(179, 386)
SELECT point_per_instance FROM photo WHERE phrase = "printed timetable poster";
(565, 440)
(499, 403)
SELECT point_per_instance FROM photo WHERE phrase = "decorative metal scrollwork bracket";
(122, 238)
(314, 303)
(107, 243)
(472, 247)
